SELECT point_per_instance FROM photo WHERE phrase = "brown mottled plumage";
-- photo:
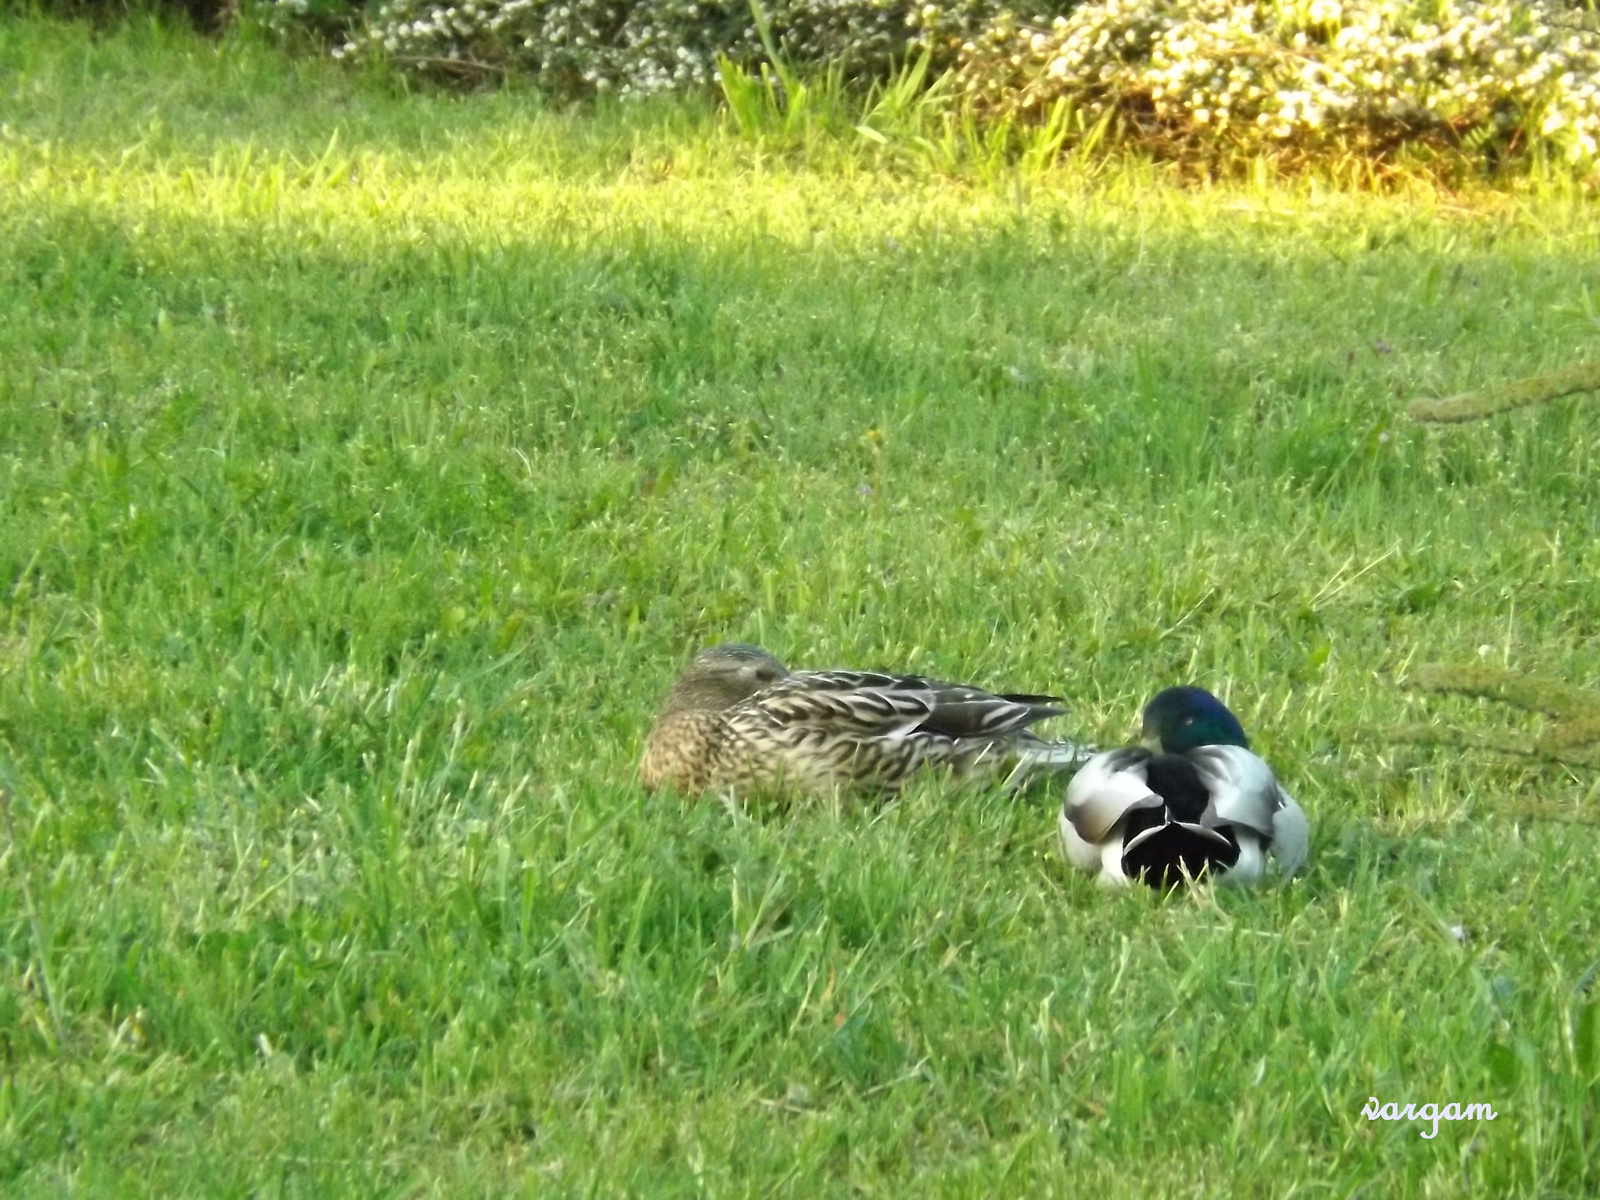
(737, 720)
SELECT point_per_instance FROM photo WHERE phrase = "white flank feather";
(1247, 795)
(1251, 864)
(1291, 836)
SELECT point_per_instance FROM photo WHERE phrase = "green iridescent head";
(1182, 718)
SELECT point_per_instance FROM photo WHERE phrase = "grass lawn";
(370, 462)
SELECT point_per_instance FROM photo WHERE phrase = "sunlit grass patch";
(371, 462)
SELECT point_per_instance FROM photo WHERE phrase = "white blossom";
(1352, 71)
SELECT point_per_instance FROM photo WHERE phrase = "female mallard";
(736, 720)
(1192, 800)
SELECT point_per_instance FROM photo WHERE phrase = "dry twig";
(1498, 398)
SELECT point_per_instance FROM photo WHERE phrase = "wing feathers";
(1105, 790)
(898, 704)
(1243, 788)
(1248, 816)
(841, 728)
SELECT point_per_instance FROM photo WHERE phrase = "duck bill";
(1150, 739)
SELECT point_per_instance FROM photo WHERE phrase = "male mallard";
(738, 720)
(1191, 800)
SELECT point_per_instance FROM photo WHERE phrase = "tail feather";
(1041, 757)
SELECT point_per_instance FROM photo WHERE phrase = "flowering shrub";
(642, 46)
(327, 22)
(1494, 76)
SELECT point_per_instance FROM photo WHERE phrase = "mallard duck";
(738, 721)
(1191, 801)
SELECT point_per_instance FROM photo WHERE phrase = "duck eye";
(1189, 720)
